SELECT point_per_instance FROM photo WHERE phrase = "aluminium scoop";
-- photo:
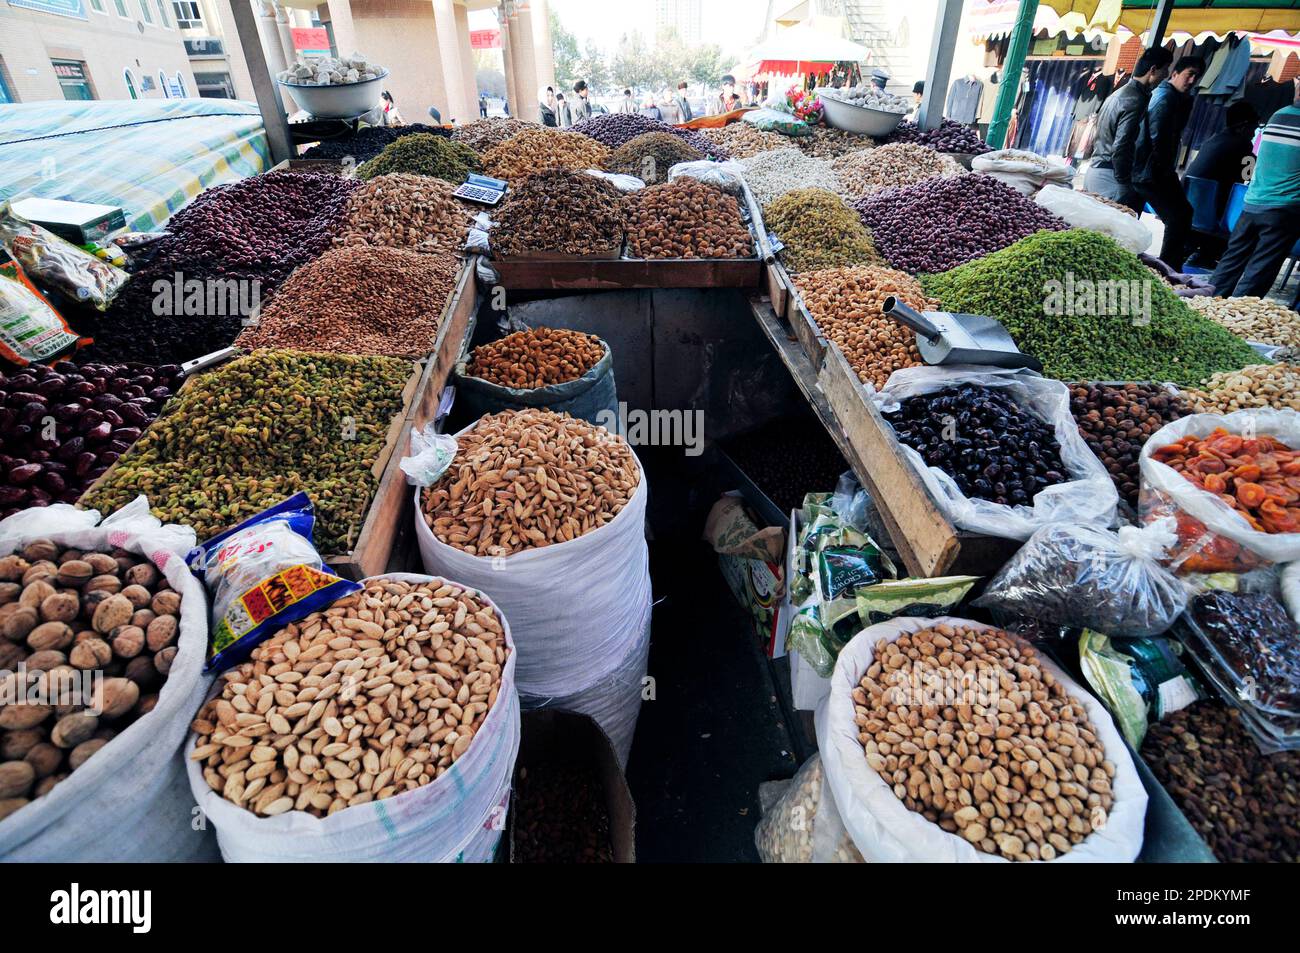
(944, 337)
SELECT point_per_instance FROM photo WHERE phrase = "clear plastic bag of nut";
(803, 826)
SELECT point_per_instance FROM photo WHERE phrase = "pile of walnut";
(686, 218)
(973, 733)
(375, 696)
(71, 617)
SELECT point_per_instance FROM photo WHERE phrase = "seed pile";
(405, 211)
(537, 357)
(772, 174)
(948, 136)
(377, 695)
(1116, 420)
(945, 222)
(827, 143)
(686, 218)
(259, 429)
(571, 213)
(526, 479)
(1260, 385)
(239, 241)
(1255, 319)
(870, 170)
(1079, 303)
(614, 129)
(560, 816)
(437, 156)
(846, 303)
(1244, 803)
(539, 150)
(818, 231)
(744, 139)
(65, 612)
(368, 142)
(482, 134)
(361, 299)
(649, 157)
(1016, 769)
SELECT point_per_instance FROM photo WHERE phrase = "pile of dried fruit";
(571, 213)
(1260, 385)
(1259, 477)
(1116, 420)
(948, 136)
(1089, 310)
(818, 231)
(744, 139)
(539, 150)
(97, 410)
(1255, 319)
(368, 142)
(259, 429)
(1018, 772)
(649, 157)
(361, 299)
(560, 816)
(482, 134)
(827, 143)
(437, 156)
(65, 614)
(235, 243)
(772, 174)
(294, 730)
(614, 129)
(870, 170)
(847, 305)
(945, 222)
(405, 211)
(686, 218)
(529, 478)
(1244, 803)
(537, 357)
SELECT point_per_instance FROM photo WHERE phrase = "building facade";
(684, 17)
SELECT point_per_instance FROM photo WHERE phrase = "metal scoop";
(943, 337)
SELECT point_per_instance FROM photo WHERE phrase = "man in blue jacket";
(1155, 159)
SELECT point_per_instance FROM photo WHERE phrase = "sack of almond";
(103, 632)
(384, 727)
(945, 740)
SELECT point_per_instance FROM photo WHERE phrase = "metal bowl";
(867, 122)
(344, 101)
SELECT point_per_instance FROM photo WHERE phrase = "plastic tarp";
(150, 157)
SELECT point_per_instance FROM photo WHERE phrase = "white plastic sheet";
(1084, 211)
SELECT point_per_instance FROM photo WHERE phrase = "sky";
(732, 24)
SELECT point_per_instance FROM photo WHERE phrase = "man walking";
(581, 104)
(683, 106)
(1118, 125)
(628, 105)
(1155, 159)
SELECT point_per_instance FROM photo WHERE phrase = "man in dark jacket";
(1223, 157)
(683, 106)
(1118, 126)
(581, 104)
(1155, 160)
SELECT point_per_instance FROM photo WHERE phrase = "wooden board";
(778, 288)
(629, 273)
(454, 329)
(806, 330)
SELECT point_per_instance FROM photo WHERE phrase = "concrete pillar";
(543, 52)
(345, 35)
(272, 48)
(530, 88)
(444, 22)
(507, 60)
(282, 31)
(467, 61)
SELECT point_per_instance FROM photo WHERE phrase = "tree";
(707, 64)
(592, 68)
(564, 48)
(633, 64)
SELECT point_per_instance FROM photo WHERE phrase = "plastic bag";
(1291, 590)
(1212, 536)
(31, 331)
(1088, 498)
(881, 825)
(728, 176)
(1026, 172)
(59, 264)
(803, 826)
(1088, 576)
(1084, 211)
(431, 455)
(624, 183)
(263, 574)
(776, 120)
(1140, 680)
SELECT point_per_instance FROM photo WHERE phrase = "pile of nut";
(650, 156)
(1245, 804)
(686, 218)
(360, 299)
(482, 134)
(537, 150)
(972, 732)
(899, 163)
(524, 479)
(772, 174)
(785, 834)
(847, 304)
(819, 231)
(1116, 420)
(1257, 385)
(562, 211)
(66, 613)
(375, 696)
(423, 154)
(537, 357)
(560, 816)
(744, 139)
(1255, 319)
(405, 211)
(825, 142)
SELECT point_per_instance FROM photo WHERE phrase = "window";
(130, 84)
(162, 84)
(98, 6)
(180, 84)
(6, 93)
(145, 12)
(162, 14)
(188, 15)
(73, 78)
(121, 9)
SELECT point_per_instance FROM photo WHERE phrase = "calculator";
(478, 193)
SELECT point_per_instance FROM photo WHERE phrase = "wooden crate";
(778, 286)
(806, 330)
(621, 274)
(454, 329)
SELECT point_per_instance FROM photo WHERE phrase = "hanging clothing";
(1093, 90)
(1214, 66)
(1268, 97)
(1235, 65)
(964, 96)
